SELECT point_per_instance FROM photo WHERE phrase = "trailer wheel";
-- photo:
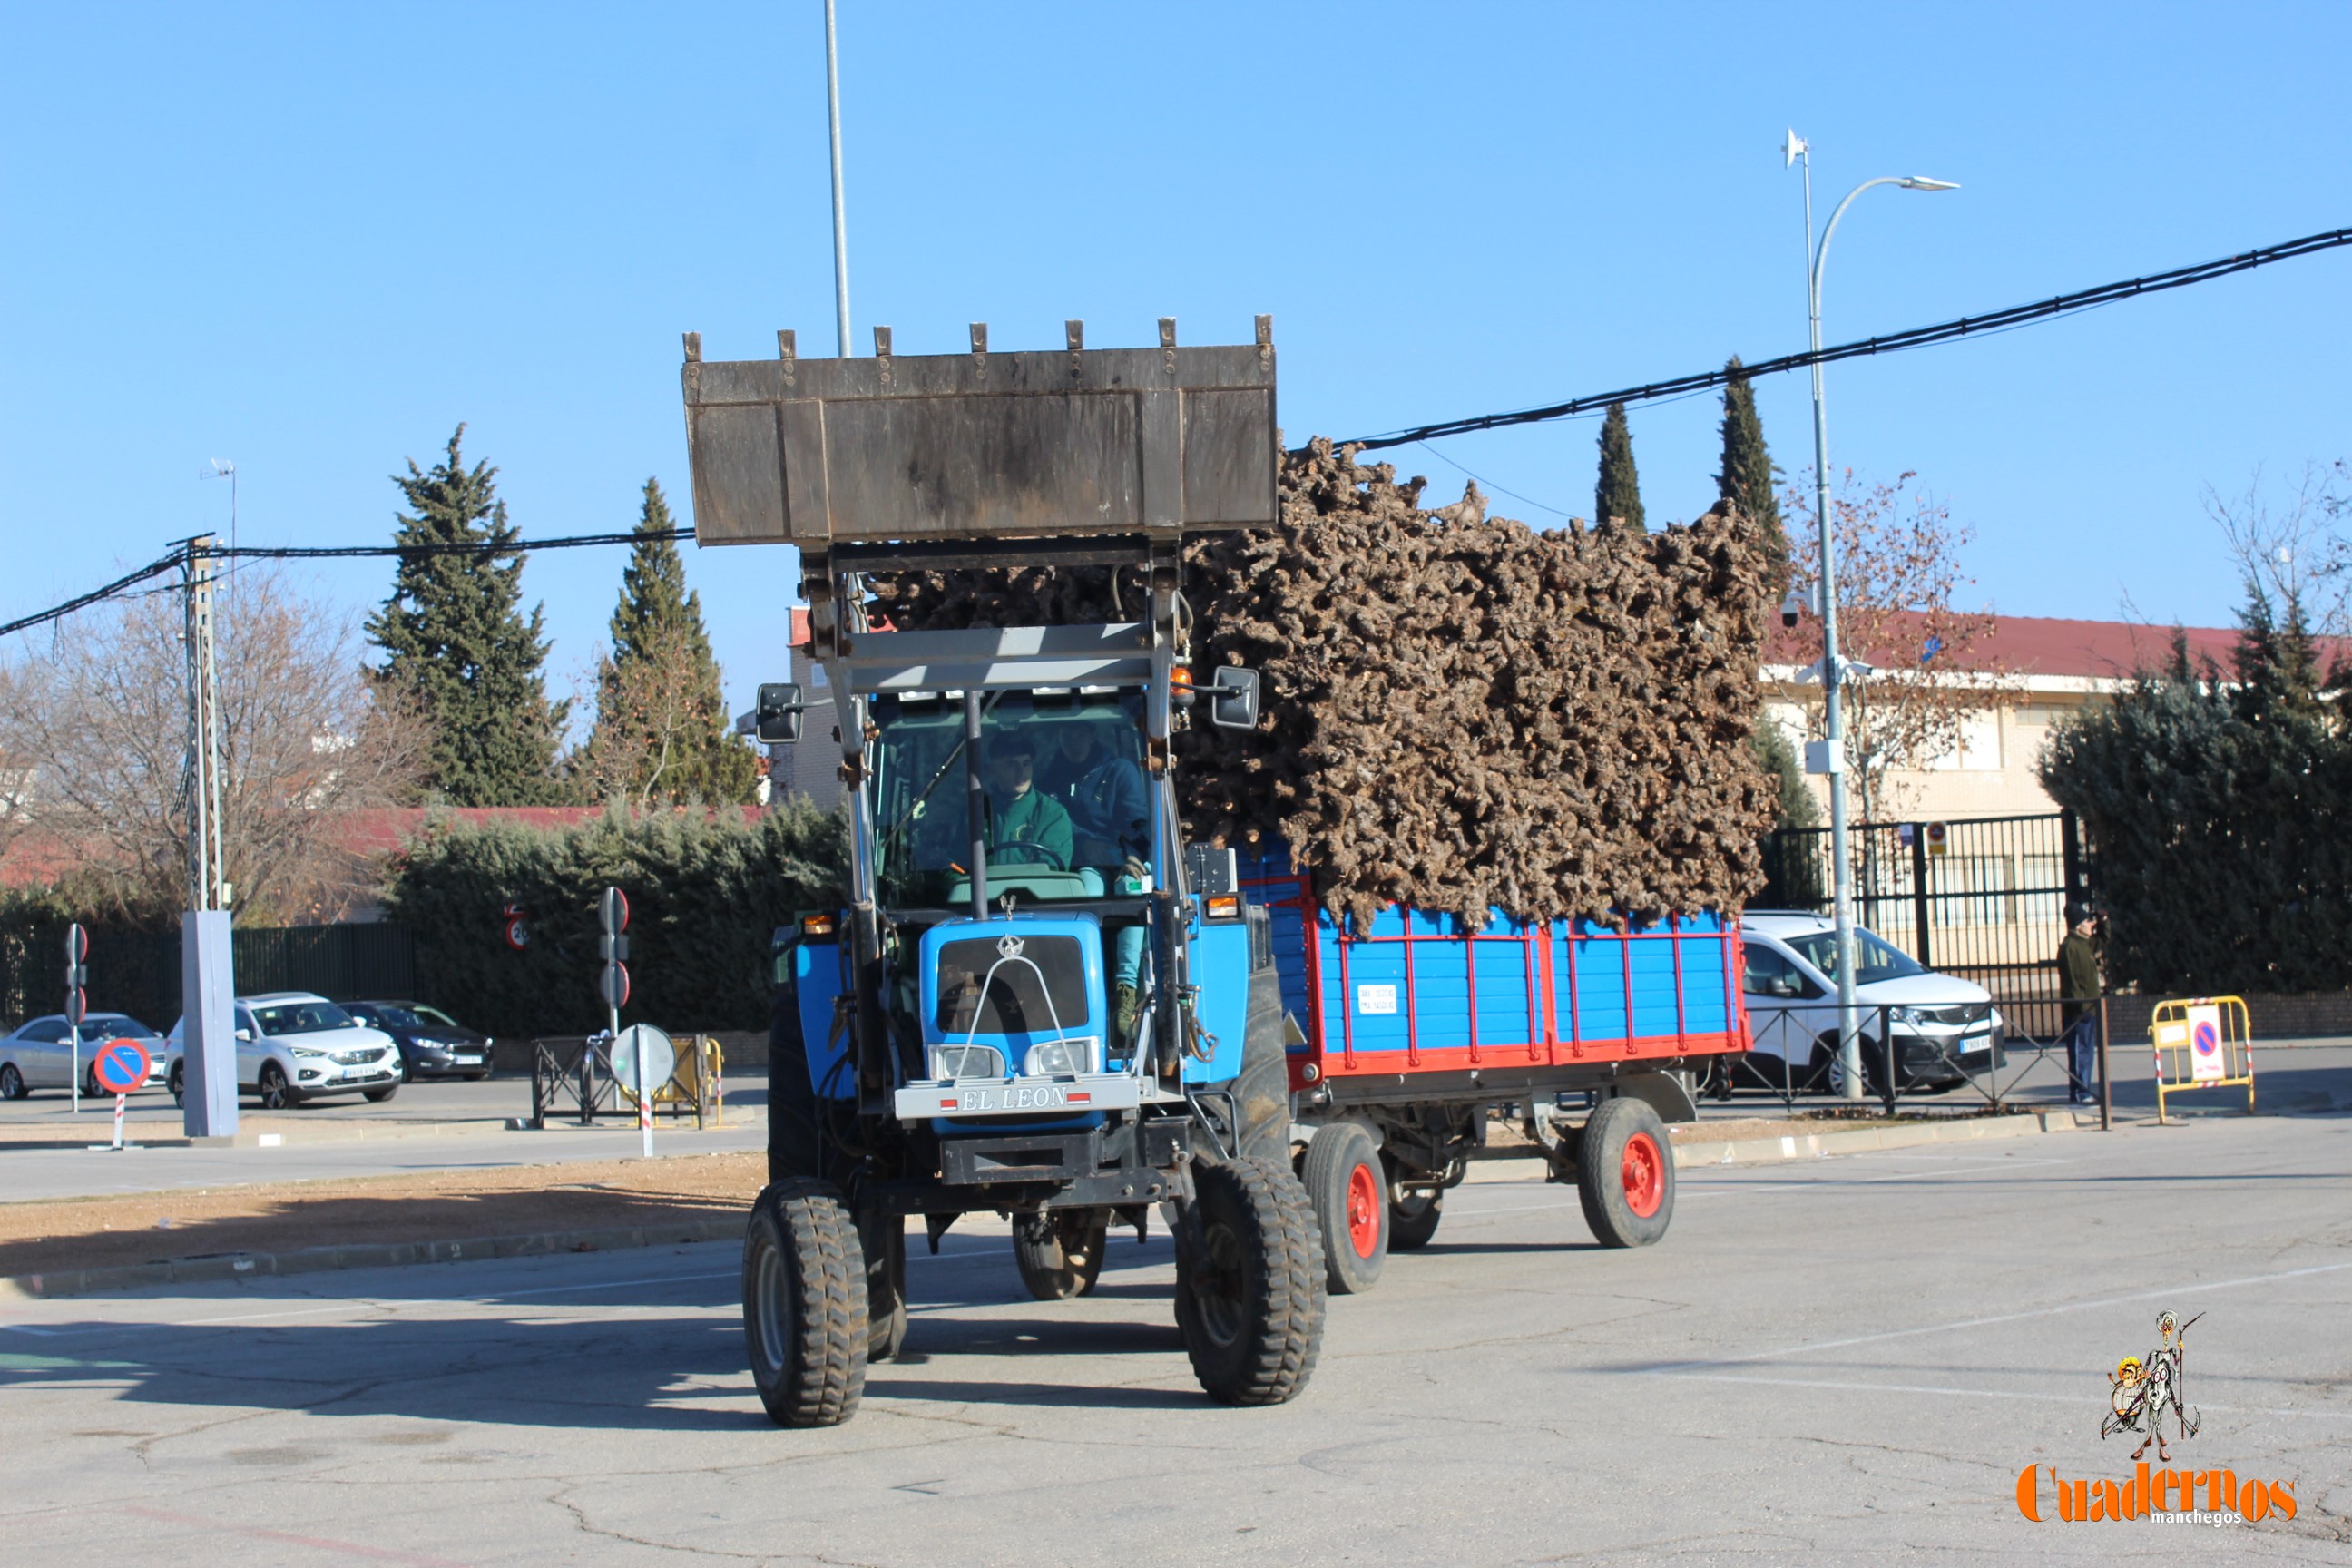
(1625, 1173)
(1413, 1218)
(1349, 1191)
(805, 1320)
(1249, 1282)
(1060, 1254)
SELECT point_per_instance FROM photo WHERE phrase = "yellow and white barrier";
(2201, 1042)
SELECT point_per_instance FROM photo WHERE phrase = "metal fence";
(1982, 898)
(138, 972)
(1954, 1060)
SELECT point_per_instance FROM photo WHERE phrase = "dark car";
(431, 1044)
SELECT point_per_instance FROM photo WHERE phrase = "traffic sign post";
(77, 1001)
(120, 1066)
(613, 915)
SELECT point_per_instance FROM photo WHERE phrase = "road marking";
(313, 1543)
(2163, 1293)
(1983, 1394)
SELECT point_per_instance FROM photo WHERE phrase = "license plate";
(1014, 1097)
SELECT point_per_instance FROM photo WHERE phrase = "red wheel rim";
(1645, 1172)
(1363, 1210)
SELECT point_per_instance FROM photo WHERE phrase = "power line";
(178, 558)
(1893, 343)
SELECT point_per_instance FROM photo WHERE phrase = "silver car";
(292, 1045)
(44, 1054)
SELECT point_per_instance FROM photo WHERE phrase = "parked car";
(41, 1054)
(1944, 1028)
(292, 1046)
(431, 1044)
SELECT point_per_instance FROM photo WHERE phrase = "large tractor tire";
(882, 1237)
(1351, 1193)
(1625, 1173)
(1060, 1253)
(804, 1319)
(1249, 1282)
(1262, 1092)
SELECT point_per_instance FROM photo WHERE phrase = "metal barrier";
(574, 1082)
(1789, 1058)
(2210, 1038)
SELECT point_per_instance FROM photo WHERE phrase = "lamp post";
(840, 212)
(1849, 1054)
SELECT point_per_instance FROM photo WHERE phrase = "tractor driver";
(1027, 828)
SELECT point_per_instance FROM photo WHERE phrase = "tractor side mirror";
(1233, 697)
(778, 716)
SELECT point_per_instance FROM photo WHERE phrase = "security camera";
(1789, 608)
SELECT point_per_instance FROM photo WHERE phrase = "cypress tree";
(1749, 473)
(457, 643)
(1618, 497)
(662, 728)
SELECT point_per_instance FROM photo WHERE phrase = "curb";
(314, 1260)
(1813, 1145)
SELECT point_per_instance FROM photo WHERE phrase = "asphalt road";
(1844, 1362)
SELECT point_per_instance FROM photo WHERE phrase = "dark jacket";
(2078, 975)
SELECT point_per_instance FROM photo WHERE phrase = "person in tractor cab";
(1027, 828)
(1112, 816)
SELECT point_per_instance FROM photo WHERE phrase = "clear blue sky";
(314, 239)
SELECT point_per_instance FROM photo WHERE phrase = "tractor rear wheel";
(804, 1319)
(1060, 1253)
(1349, 1191)
(1625, 1173)
(1249, 1282)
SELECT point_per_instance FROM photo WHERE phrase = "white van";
(1944, 1028)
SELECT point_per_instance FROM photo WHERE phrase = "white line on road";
(2162, 1293)
(1982, 1394)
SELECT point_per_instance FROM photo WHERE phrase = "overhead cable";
(1891, 342)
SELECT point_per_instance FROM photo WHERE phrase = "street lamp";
(1834, 671)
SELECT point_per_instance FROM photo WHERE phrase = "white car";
(292, 1045)
(42, 1054)
(1943, 1028)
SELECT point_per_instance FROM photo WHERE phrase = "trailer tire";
(882, 1237)
(1345, 1183)
(1625, 1173)
(1413, 1218)
(1060, 1253)
(1249, 1282)
(805, 1320)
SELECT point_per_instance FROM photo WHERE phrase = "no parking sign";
(121, 1066)
(2206, 1062)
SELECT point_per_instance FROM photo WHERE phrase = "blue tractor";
(1039, 999)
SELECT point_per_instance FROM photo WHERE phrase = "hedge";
(706, 891)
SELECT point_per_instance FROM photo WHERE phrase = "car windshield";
(1069, 802)
(1874, 959)
(303, 1017)
(385, 1017)
(432, 1017)
(113, 1025)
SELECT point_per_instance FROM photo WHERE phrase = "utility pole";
(840, 214)
(207, 978)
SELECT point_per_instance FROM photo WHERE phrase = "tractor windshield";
(1068, 801)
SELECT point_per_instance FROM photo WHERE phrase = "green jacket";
(2078, 974)
(1030, 829)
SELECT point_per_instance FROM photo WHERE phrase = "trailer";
(1013, 1012)
(1404, 1035)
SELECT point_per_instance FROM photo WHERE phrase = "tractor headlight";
(1060, 1058)
(967, 1061)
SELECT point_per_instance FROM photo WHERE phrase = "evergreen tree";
(1749, 473)
(662, 730)
(1618, 496)
(2277, 661)
(457, 644)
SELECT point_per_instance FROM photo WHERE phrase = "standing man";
(2078, 984)
(1111, 815)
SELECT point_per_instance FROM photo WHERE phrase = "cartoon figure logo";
(2140, 1391)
